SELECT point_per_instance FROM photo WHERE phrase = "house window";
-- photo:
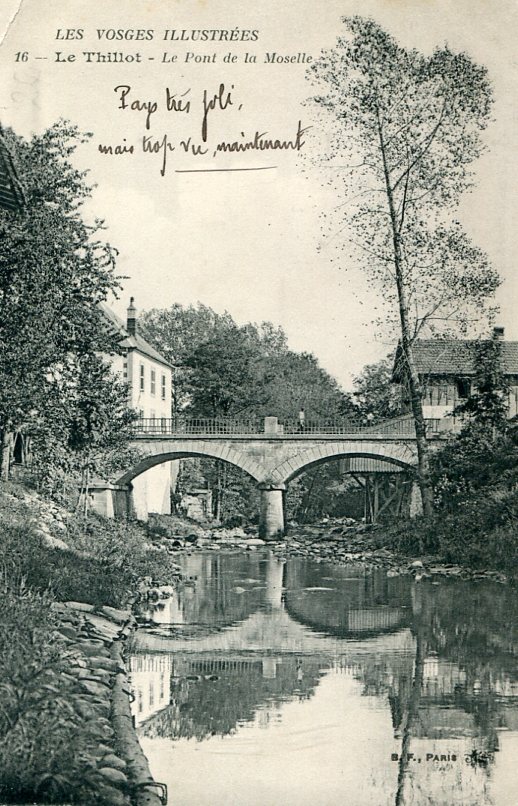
(163, 387)
(142, 370)
(463, 388)
(153, 382)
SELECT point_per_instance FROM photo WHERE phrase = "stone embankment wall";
(95, 638)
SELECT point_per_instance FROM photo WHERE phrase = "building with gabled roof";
(446, 369)
(149, 377)
(131, 340)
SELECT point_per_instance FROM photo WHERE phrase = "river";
(265, 682)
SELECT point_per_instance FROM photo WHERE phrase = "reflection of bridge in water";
(236, 625)
(266, 650)
(258, 638)
(375, 603)
(276, 633)
(285, 607)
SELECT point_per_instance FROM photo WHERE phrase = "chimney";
(498, 333)
(131, 321)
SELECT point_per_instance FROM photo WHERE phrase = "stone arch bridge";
(272, 454)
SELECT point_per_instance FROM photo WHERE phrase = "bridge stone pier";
(271, 515)
(272, 458)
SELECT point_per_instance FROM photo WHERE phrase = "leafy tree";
(296, 380)
(223, 378)
(176, 332)
(484, 456)
(489, 403)
(85, 429)
(478, 461)
(407, 128)
(99, 421)
(374, 393)
(222, 369)
(54, 269)
(271, 339)
(282, 380)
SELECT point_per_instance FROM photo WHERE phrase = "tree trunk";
(422, 619)
(414, 385)
(217, 502)
(308, 498)
(411, 717)
(223, 491)
(86, 491)
(7, 445)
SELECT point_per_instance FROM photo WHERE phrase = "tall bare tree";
(408, 126)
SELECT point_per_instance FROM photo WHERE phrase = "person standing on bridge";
(302, 420)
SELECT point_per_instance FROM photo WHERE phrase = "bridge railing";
(321, 426)
(404, 426)
(227, 426)
(190, 426)
(397, 426)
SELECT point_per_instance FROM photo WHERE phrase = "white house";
(149, 379)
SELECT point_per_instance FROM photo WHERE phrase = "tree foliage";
(489, 403)
(223, 375)
(222, 369)
(85, 429)
(408, 128)
(54, 270)
(376, 396)
(295, 381)
(484, 456)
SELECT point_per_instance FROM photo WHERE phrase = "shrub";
(481, 532)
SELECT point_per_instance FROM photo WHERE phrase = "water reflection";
(349, 604)
(321, 681)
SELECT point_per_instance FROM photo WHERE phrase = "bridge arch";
(272, 459)
(400, 454)
(161, 452)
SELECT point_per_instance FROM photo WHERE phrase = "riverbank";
(66, 587)
(339, 541)
(66, 590)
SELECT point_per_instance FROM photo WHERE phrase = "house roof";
(136, 342)
(453, 357)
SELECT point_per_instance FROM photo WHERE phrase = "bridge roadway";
(271, 456)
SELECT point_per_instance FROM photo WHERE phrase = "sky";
(246, 241)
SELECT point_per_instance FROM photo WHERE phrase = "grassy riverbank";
(50, 728)
(481, 534)
(57, 552)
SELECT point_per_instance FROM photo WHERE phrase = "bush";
(102, 566)
(480, 533)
